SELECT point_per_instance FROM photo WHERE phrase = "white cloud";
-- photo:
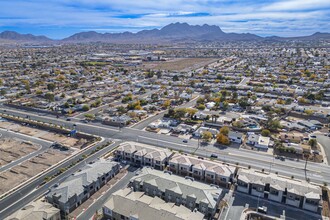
(295, 5)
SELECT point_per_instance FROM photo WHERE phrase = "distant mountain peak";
(174, 32)
(14, 36)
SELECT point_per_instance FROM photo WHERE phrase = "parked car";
(316, 152)
(262, 209)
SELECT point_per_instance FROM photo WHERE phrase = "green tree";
(89, 116)
(265, 133)
(166, 103)
(207, 136)
(180, 113)
(224, 130)
(243, 102)
(50, 97)
(223, 139)
(312, 142)
(51, 86)
(201, 107)
(273, 125)
(85, 108)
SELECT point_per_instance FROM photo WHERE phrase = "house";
(295, 137)
(78, 187)
(258, 141)
(127, 204)
(201, 169)
(122, 120)
(36, 210)
(185, 95)
(235, 137)
(198, 133)
(307, 124)
(300, 194)
(210, 105)
(200, 115)
(143, 155)
(179, 190)
(298, 148)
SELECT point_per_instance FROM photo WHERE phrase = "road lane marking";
(168, 142)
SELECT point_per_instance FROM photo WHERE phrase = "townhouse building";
(127, 204)
(78, 187)
(179, 190)
(202, 170)
(36, 210)
(295, 193)
(144, 155)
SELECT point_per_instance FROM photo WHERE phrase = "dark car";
(214, 156)
(185, 141)
(68, 119)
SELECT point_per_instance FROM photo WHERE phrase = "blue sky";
(61, 18)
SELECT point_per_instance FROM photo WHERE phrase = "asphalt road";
(29, 192)
(318, 173)
(43, 146)
(325, 142)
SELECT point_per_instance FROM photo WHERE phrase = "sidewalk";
(325, 159)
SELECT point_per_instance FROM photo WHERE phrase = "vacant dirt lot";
(12, 149)
(20, 173)
(46, 135)
(181, 64)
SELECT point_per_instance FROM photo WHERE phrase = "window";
(312, 202)
(274, 192)
(242, 183)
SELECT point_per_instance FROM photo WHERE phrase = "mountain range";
(175, 32)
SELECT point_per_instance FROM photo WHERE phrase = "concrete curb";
(325, 158)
